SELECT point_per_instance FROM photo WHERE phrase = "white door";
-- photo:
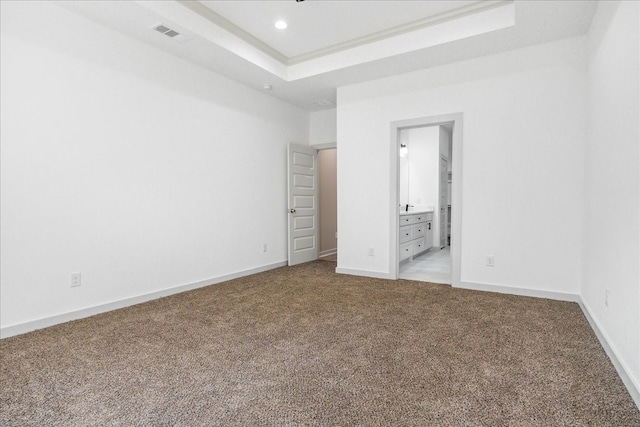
(303, 204)
(444, 183)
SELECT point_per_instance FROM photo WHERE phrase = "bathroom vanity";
(416, 233)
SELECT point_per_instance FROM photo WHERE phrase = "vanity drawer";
(422, 217)
(406, 250)
(418, 246)
(419, 230)
(407, 219)
(406, 233)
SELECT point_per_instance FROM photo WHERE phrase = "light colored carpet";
(303, 346)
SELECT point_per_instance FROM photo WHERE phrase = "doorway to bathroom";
(423, 196)
(426, 156)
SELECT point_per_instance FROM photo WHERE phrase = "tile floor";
(433, 266)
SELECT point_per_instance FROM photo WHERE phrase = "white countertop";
(415, 212)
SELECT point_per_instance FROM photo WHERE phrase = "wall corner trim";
(23, 328)
(623, 371)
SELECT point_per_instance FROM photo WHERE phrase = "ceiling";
(329, 44)
(317, 25)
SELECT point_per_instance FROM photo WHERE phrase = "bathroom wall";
(423, 166)
(423, 154)
(403, 171)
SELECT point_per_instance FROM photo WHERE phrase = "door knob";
(291, 211)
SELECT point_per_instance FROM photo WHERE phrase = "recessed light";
(281, 25)
(266, 86)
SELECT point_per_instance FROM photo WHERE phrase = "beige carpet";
(303, 346)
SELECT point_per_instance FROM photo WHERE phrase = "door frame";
(456, 189)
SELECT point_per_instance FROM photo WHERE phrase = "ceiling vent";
(170, 33)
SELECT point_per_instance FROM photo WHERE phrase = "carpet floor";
(302, 345)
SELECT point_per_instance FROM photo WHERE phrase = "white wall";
(137, 169)
(523, 132)
(612, 182)
(322, 128)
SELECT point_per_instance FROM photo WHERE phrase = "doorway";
(423, 169)
(328, 204)
(444, 256)
(312, 211)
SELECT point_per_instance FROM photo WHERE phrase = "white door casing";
(456, 189)
(302, 179)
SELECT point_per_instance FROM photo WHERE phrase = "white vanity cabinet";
(416, 234)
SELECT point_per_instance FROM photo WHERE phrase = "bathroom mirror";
(420, 151)
(403, 169)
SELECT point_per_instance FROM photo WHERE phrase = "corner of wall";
(323, 128)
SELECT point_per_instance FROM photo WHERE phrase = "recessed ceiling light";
(281, 25)
(266, 86)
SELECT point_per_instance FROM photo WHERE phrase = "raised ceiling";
(329, 44)
(318, 25)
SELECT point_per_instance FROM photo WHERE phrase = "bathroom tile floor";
(433, 266)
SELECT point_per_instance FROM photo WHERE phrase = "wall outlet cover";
(76, 280)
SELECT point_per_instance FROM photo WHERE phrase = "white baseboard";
(623, 371)
(365, 273)
(328, 252)
(559, 296)
(22, 328)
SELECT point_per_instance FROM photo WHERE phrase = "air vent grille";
(161, 28)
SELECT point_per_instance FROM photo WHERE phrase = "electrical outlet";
(372, 252)
(76, 280)
(264, 247)
(606, 297)
(490, 261)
